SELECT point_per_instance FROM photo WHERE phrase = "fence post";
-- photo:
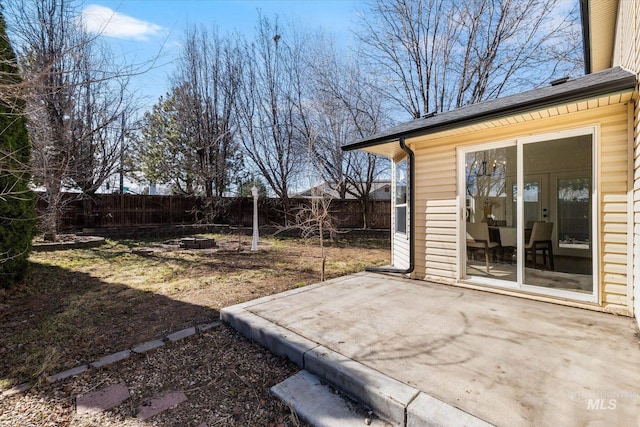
(121, 208)
(170, 209)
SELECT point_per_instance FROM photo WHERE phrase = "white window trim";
(406, 202)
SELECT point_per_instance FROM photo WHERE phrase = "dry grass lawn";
(79, 305)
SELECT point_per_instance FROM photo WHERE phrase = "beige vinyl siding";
(627, 44)
(627, 55)
(602, 32)
(441, 241)
(436, 209)
(400, 250)
(614, 213)
(437, 212)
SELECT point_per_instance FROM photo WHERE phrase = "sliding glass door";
(528, 219)
(558, 246)
(491, 221)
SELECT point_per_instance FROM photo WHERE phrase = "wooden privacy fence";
(128, 210)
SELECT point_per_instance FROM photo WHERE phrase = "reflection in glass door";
(535, 200)
(490, 225)
(574, 213)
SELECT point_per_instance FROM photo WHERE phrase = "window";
(401, 196)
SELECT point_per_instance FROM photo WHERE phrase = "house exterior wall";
(627, 55)
(400, 250)
(627, 40)
(437, 211)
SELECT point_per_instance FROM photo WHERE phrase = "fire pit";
(197, 243)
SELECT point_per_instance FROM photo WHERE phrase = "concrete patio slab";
(499, 359)
(310, 398)
(388, 396)
(279, 340)
(429, 411)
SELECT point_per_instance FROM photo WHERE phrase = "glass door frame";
(461, 153)
(519, 285)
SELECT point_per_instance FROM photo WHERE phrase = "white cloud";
(107, 22)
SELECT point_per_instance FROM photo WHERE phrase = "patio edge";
(388, 397)
(392, 400)
(277, 339)
(426, 410)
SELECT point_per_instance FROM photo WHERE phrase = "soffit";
(390, 149)
(602, 31)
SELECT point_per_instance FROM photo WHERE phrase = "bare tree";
(103, 114)
(45, 38)
(270, 107)
(188, 140)
(314, 220)
(440, 54)
(75, 101)
(347, 106)
(205, 89)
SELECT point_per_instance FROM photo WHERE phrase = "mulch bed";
(225, 377)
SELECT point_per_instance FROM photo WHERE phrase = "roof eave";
(608, 87)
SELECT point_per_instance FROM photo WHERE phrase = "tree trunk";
(50, 220)
(366, 212)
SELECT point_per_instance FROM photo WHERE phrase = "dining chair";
(508, 242)
(540, 240)
(478, 239)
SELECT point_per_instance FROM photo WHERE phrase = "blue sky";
(139, 29)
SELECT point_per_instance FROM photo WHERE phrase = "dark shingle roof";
(604, 82)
